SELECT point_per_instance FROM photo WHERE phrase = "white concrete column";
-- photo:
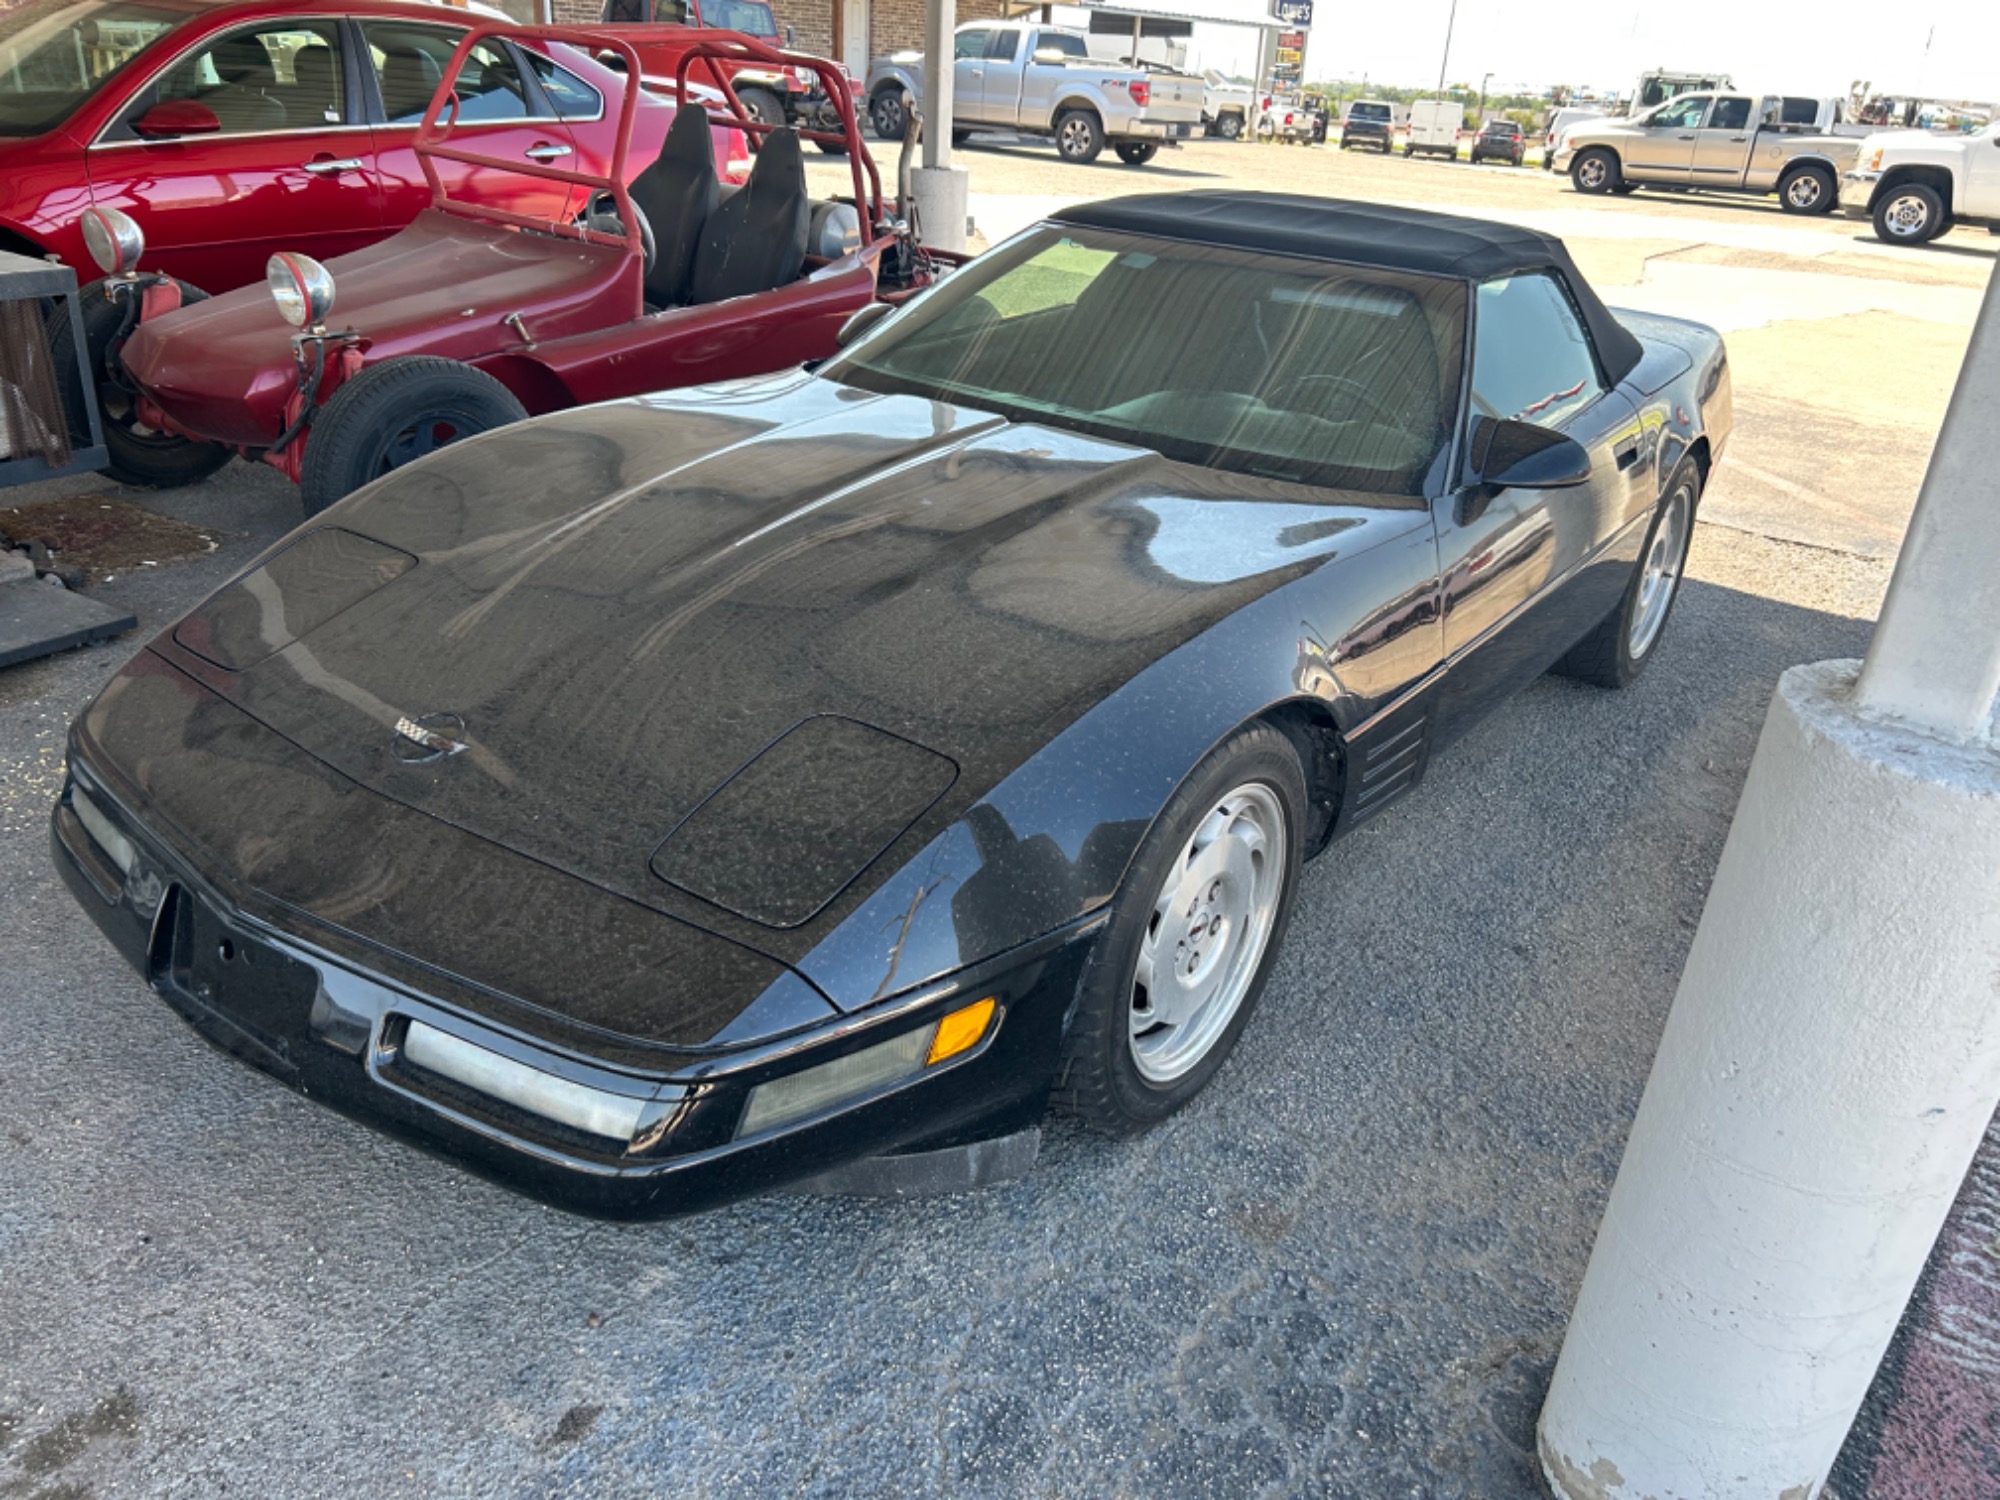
(939, 187)
(1832, 1058)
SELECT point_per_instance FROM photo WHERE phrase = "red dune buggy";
(475, 316)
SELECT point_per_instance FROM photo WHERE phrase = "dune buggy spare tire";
(136, 454)
(394, 413)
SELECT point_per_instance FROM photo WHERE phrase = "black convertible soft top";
(1369, 234)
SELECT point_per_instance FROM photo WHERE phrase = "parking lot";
(1343, 1271)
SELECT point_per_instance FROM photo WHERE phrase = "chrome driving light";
(595, 1111)
(117, 848)
(301, 286)
(812, 1090)
(114, 240)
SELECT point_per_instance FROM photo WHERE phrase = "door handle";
(1684, 138)
(1739, 139)
(543, 151)
(1627, 453)
(331, 167)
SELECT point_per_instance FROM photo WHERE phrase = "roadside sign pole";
(1832, 1059)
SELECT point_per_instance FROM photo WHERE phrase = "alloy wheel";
(1908, 217)
(1804, 191)
(1590, 174)
(1660, 572)
(1205, 939)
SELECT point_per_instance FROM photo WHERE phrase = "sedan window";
(282, 75)
(1531, 359)
(410, 63)
(53, 58)
(1271, 365)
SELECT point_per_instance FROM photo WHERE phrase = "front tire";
(1079, 136)
(765, 107)
(1193, 934)
(1809, 190)
(135, 454)
(1596, 171)
(885, 113)
(1911, 214)
(1617, 650)
(392, 414)
(1136, 153)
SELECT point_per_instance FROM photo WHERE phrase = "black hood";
(616, 609)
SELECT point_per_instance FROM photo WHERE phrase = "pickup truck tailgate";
(1173, 98)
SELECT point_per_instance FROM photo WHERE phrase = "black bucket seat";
(678, 194)
(756, 240)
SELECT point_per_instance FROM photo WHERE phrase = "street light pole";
(1480, 118)
(1445, 61)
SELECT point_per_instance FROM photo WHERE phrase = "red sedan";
(235, 130)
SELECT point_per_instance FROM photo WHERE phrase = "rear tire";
(1229, 127)
(1137, 153)
(136, 454)
(1596, 171)
(1911, 214)
(1079, 136)
(1808, 190)
(1617, 649)
(392, 414)
(1158, 1010)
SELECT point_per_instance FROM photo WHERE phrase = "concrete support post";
(939, 187)
(1832, 1059)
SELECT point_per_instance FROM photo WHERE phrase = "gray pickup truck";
(1042, 80)
(1722, 142)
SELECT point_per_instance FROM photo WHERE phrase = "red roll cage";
(434, 132)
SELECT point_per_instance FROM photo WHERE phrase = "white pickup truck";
(1042, 80)
(1916, 184)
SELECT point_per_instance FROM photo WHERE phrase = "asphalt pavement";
(1344, 1271)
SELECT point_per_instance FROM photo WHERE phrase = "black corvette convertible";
(660, 801)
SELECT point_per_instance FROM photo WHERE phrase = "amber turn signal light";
(960, 1031)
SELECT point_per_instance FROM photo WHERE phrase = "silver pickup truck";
(1042, 80)
(1718, 142)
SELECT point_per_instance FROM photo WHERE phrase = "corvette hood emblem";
(431, 737)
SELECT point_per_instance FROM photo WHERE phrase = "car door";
(502, 113)
(968, 72)
(246, 142)
(1722, 144)
(1520, 567)
(1000, 87)
(1982, 173)
(1663, 149)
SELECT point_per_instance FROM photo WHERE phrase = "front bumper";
(338, 1031)
(1857, 189)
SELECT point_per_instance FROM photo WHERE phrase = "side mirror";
(172, 117)
(613, 59)
(791, 39)
(860, 321)
(1512, 455)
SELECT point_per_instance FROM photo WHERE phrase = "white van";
(1434, 127)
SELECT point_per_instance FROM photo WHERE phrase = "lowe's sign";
(1293, 12)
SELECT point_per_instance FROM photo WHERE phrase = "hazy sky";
(1804, 46)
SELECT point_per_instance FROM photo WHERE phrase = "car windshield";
(54, 55)
(747, 16)
(1270, 365)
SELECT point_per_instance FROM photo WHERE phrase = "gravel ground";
(1344, 1271)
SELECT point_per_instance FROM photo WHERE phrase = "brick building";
(851, 31)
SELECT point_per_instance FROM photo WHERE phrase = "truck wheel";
(1137, 153)
(832, 148)
(136, 454)
(392, 414)
(1079, 136)
(1596, 171)
(960, 137)
(1229, 127)
(1910, 214)
(765, 107)
(885, 113)
(1808, 190)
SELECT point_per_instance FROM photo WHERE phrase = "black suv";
(1368, 123)
(1501, 140)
